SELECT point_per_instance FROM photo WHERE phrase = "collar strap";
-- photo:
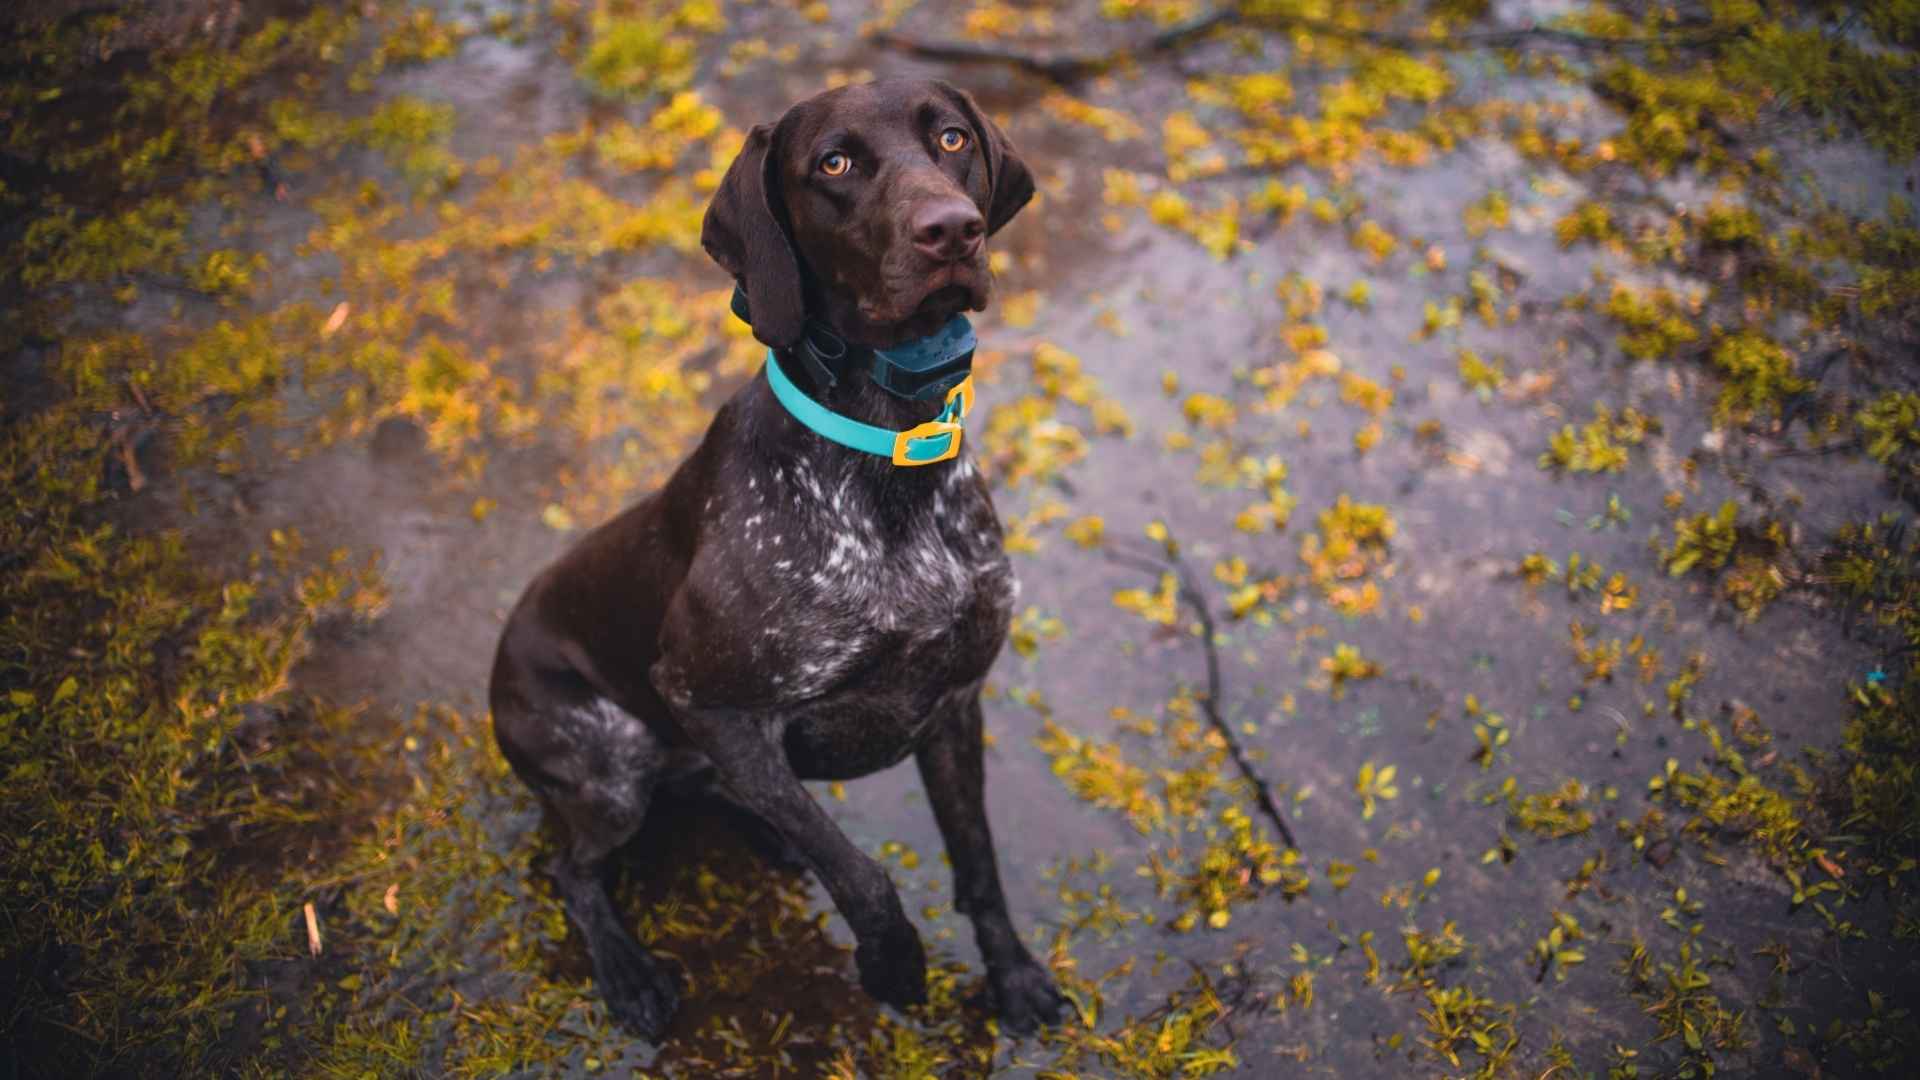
(923, 370)
(923, 444)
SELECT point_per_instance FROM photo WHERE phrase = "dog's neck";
(846, 318)
(855, 395)
(891, 500)
(833, 365)
(890, 495)
(845, 382)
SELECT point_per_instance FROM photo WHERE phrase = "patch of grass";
(1483, 378)
(1759, 376)
(1600, 446)
(1657, 321)
(1185, 1037)
(1703, 540)
(1679, 995)
(146, 717)
(638, 53)
(1554, 815)
(1891, 425)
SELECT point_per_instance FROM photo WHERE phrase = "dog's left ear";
(1009, 183)
(745, 232)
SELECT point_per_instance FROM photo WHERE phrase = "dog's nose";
(948, 230)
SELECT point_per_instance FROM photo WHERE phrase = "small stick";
(136, 480)
(1189, 591)
(313, 929)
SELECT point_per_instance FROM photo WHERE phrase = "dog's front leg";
(952, 769)
(746, 752)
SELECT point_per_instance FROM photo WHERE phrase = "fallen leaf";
(336, 320)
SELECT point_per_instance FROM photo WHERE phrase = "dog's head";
(869, 205)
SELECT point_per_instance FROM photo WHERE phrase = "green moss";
(1759, 376)
(1731, 225)
(1668, 114)
(1704, 540)
(61, 249)
(1554, 815)
(1743, 808)
(1600, 446)
(1656, 321)
(1891, 426)
(1481, 377)
(413, 136)
(634, 57)
(414, 36)
(1819, 71)
(1590, 221)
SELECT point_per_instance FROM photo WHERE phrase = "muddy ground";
(1402, 575)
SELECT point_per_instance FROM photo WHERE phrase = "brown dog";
(787, 607)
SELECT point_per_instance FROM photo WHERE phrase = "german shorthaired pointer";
(789, 606)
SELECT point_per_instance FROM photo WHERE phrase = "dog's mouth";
(946, 301)
(922, 304)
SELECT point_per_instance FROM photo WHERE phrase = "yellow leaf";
(557, 517)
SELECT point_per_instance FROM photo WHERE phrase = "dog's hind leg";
(595, 768)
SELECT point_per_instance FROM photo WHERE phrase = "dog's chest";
(854, 615)
(857, 597)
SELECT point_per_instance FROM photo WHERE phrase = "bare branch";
(1069, 68)
(1196, 600)
(1065, 68)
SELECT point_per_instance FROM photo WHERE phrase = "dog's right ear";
(746, 235)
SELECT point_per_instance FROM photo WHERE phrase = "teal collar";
(924, 444)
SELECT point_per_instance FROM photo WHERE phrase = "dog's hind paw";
(638, 992)
(1025, 998)
(894, 968)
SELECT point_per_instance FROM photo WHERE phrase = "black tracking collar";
(920, 370)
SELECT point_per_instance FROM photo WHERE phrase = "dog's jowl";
(820, 588)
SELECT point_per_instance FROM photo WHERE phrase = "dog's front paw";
(1025, 997)
(638, 992)
(893, 966)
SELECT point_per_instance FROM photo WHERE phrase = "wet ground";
(1358, 513)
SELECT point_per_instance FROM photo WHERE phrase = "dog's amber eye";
(953, 140)
(836, 164)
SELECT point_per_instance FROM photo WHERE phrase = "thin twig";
(1068, 68)
(136, 480)
(1189, 591)
(155, 281)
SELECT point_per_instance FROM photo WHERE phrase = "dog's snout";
(948, 230)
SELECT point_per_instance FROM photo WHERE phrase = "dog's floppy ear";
(745, 233)
(1009, 183)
